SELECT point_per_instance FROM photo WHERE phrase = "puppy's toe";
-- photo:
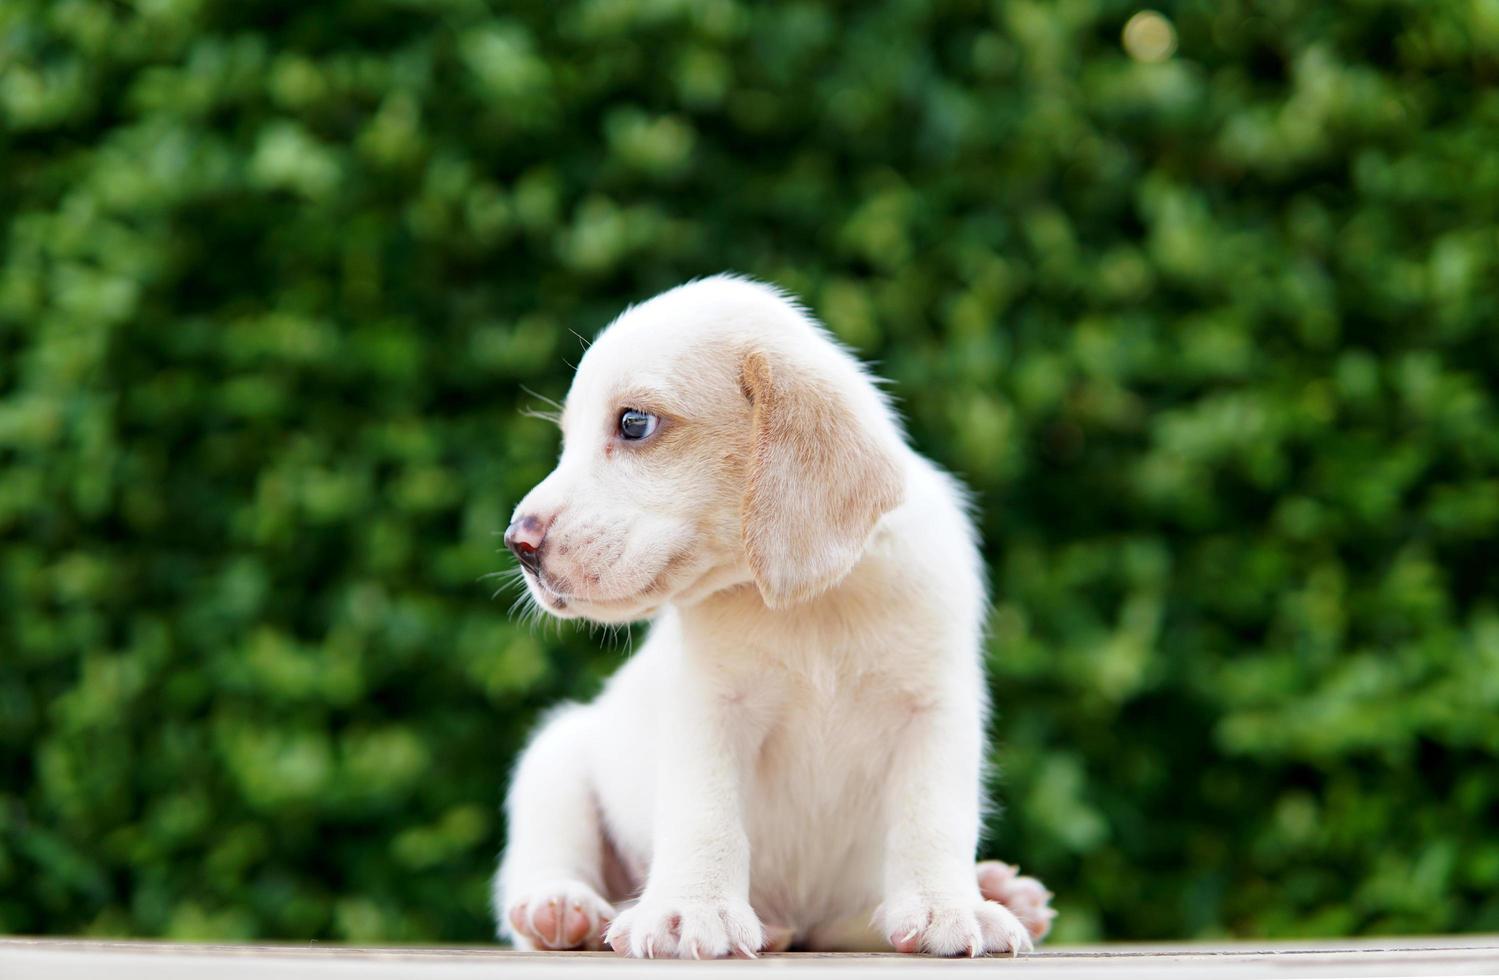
(953, 926)
(559, 915)
(1026, 897)
(657, 928)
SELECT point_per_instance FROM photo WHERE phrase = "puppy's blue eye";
(635, 425)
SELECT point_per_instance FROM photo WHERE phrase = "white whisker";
(545, 415)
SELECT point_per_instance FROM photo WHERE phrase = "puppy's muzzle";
(524, 537)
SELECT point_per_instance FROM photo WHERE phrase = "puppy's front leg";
(932, 900)
(696, 900)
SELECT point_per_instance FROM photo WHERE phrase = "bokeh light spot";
(1149, 36)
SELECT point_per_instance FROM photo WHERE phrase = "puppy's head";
(713, 436)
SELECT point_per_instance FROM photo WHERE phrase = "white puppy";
(794, 756)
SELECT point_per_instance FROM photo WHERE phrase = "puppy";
(793, 758)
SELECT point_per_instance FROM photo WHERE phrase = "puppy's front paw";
(689, 930)
(559, 915)
(957, 926)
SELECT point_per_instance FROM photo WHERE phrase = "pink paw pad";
(560, 920)
(1026, 897)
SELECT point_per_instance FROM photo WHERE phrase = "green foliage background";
(1212, 339)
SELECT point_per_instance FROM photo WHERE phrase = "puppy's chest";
(819, 796)
(827, 727)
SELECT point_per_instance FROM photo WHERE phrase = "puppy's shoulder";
(925, 555)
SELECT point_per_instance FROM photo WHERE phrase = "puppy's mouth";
(556, 598)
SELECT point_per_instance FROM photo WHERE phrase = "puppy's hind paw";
(559, 915)
(1021, 894)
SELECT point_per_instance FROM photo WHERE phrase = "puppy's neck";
(739, 613)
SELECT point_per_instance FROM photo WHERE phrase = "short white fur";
(794, 754)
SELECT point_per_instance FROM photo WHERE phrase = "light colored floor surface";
(64, 959)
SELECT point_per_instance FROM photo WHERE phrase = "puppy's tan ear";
(819, 480)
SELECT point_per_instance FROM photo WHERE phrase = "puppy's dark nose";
(524, 536)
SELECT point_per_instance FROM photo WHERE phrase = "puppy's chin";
(613, 614)
(608, 613)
